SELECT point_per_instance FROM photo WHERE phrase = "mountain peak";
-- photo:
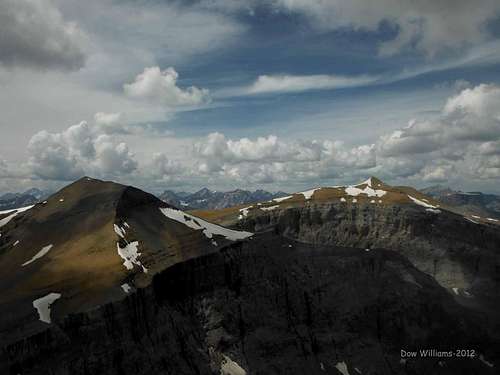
(373, 182)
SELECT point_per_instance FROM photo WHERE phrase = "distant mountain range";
(208, 199)
(475, 203)
(10, 201)
(472, 203)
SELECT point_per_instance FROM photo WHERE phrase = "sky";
(272, 94)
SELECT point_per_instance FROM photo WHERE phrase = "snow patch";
(433, 210)
(491, 219)
(367, 182)
(126, 288)
(309, 193)
(42, 305)
(355, 191)
(61, 200)
(270, 208)
(16, 243)
(281, 199)
(13, 213)
(455, 290)
(472, 221)
(342, 367)
(126, 224)
(130, 255)
(244, 212)
(209, 229)
(354, 200)
(119, 231)
(38, 255)
(343, 199)
(229, 367)
(421, 203)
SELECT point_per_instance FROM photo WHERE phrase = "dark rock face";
(456, 252)
(273, 307)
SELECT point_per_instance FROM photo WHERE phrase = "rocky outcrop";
(266, 306)
(457, 252)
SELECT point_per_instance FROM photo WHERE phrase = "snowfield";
(209, 229)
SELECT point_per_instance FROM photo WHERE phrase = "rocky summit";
(102, 278)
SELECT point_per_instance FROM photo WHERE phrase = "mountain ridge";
(105, 278)
(208, 199)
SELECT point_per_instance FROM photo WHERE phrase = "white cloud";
(51, 159)
(270, 159)
(451, 147)
(296, 83)
(163, 168)
(161, 87)
(215, 151)
(34, 34)
(463, 141)
(111, 158)
(76, 151)
(107, 119)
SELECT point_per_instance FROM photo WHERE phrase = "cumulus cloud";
(296, 83)
(464, 140)
(160, 86)
(216, 151)
(34, 34)
(163, 168)
(270, 159)
(426, 25)
(77, 151)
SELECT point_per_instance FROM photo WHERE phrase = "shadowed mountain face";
(107, 279)
(91, 242)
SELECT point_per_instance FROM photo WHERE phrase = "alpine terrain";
(102, 278)
(208, 199)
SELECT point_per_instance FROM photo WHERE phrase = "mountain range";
(16, 200)
(476, 203)
(208, 199)
(103, 278)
